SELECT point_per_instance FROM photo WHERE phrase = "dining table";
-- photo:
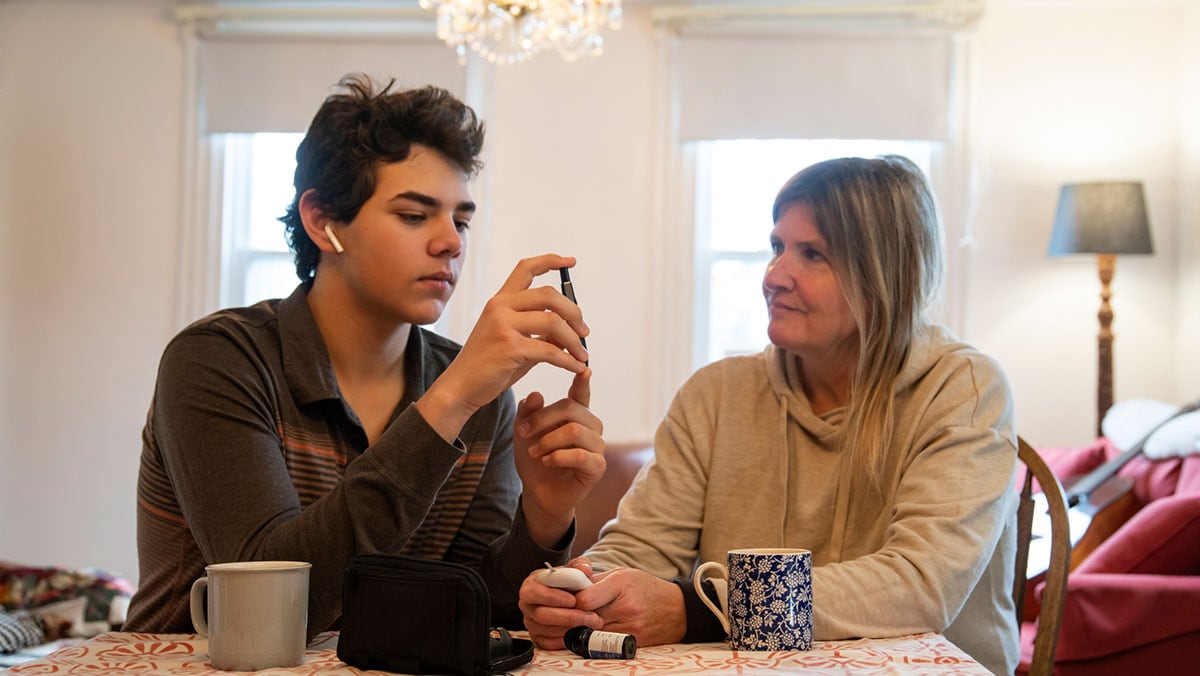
(186, 654)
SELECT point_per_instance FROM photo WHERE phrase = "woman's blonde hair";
(881, 223)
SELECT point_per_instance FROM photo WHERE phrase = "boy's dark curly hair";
(356, 131)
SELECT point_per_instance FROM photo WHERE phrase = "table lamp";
(1104, 219)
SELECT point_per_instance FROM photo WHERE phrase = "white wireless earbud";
(337, 246)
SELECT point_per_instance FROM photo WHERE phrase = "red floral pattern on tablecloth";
(183, 654)
(126, 653)
(923, 654)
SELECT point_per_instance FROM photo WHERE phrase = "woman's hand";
(559, 454)
(635, 602)
(550, 612)
(622, 600)
(519, 328)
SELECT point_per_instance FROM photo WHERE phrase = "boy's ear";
(316, 221)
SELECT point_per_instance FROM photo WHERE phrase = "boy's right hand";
(519, 328)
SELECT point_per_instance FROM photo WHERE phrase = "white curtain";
(255, 83)
(881, 86)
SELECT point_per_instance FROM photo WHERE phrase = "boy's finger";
(581, 387)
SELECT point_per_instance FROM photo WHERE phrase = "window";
(244, 122)
(254, 190)
(255, 260)
(736, 183)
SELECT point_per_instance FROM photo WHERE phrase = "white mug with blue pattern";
(769, 598)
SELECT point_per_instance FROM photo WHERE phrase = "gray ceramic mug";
(257, 613)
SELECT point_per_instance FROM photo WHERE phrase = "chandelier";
(507, 31)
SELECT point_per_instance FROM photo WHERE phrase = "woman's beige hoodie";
(742, 461)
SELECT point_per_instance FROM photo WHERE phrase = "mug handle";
(698, 581)
(199, 587)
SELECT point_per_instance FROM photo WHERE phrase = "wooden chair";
(625, 460)
(1050, 615)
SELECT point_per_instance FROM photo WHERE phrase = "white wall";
(90, 111)
(1068, 93)
(570, 170)
(90, 128)
(1187, 309)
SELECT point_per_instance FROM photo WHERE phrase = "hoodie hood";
(930, 344)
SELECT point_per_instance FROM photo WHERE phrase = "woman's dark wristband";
(702, 625)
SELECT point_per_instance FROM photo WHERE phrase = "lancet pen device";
(568, 290)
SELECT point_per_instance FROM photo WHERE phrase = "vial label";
(606, 645)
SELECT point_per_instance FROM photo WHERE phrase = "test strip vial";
(600, 645)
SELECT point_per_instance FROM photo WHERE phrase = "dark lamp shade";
(1101, 218)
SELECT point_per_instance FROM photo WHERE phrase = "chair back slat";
(1024, 533)
(1053, 595)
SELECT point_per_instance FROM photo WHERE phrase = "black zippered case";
(421, 616)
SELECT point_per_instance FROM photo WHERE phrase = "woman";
(864, 433)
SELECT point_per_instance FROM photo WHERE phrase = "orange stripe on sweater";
(331, 453)
(174, 518)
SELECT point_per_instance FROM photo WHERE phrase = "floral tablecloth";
(184, 654)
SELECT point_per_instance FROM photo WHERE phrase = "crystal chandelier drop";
(507, 31)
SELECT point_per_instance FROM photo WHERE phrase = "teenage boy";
(329, 423)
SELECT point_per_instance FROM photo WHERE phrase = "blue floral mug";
(769, 598)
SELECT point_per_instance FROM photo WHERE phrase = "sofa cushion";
(1105, 614)
(1075, 461)
(1152, 479)
(1161, 539)
(1189, 477)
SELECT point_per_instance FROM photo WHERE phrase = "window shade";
(276, 84)
(843, 86)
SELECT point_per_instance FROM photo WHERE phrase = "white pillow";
(1127, 422)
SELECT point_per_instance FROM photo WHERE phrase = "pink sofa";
(1134, 603)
